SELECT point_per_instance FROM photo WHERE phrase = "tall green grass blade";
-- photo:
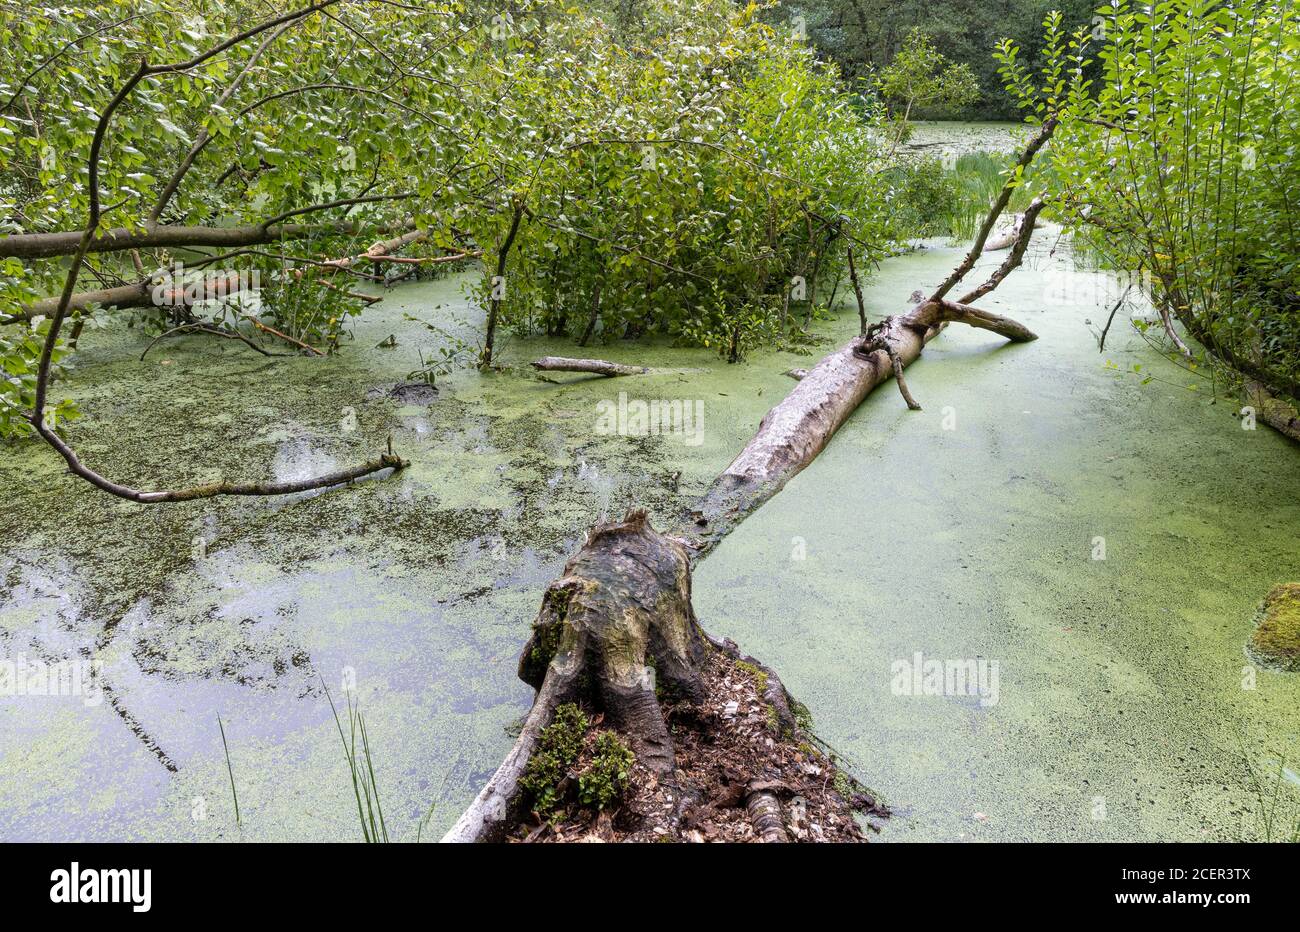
(239, 822)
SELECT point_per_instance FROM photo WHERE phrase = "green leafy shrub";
(20, 353)
(1177, 164)
(679, 181)
(921, 76)
(925, 199)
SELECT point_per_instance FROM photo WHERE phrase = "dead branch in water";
(215, 331)
(595, 366)
(1274, 411)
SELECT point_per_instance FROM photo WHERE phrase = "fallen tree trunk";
(145, 293)
(149, 291)
(617, 630)
(1007, 237)
(1274, 411)
(595, 366)
(620, 619)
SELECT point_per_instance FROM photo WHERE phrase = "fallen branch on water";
(198, 327)
(213, 489)
(595, 366)
(1274, 411)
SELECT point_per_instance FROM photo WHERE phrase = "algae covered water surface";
(413, 592)
(965, 530)
(1100, 543)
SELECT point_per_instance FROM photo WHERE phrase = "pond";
(967, 530)
(1100, 544)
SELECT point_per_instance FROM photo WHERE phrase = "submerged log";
(1008, 236)
(595, 366)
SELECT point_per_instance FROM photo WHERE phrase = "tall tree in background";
(864, 36)
(920, 76)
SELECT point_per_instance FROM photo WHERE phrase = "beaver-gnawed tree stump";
(620, 661)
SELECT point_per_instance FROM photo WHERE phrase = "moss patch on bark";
(1275, 642)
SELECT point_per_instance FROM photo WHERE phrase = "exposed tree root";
(765, 815)
(617, 634)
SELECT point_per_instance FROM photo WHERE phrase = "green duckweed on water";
(1121, 680)
(418, 588)
(1124, 707)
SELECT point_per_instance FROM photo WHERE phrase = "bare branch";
(595, 366)
(1018, 247)
(1044, 134)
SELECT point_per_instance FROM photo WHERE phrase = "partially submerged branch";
(595, 366)
(148, 292)
(213, 489)
(1274, 411)
(1019, 245)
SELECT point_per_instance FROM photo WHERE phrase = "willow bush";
(695, 178)
(1178, 165)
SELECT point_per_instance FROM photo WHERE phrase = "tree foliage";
(920, 76)
(678, 183)
(683, 173)
(1177, 163)
(864, 36)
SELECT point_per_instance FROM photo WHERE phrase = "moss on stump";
(1275, 642)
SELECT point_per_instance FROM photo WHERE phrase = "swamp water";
(1120, 680)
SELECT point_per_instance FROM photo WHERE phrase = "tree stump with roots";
(617, 630)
